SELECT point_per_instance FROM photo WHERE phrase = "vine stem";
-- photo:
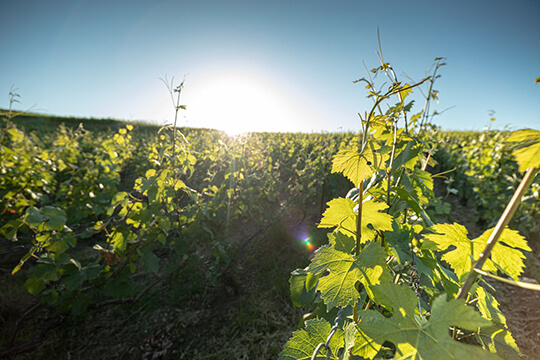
(176, 108)
(425, 117)
(389, 171)
(359, 219)
(501, 224)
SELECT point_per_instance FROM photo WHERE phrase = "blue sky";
(268, 65)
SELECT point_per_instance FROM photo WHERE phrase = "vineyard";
(123, 240)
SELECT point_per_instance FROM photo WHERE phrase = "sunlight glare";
(239, 102)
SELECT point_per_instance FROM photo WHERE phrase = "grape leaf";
(496, 338)
(304, 342)
(413, 337)
(303, 287)
(56, 218)
(349, 337)
(341, 213)
(149, 259)
(505, 256)
(527, 153)
(118, 240)
(337, 288)
(489, 306)
(342, 242)
(46, 219)
(34, 285)
(357, 166)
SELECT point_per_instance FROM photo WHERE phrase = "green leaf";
(399, 241)
(117, 287)
(303, 287)
(349, 336)
(118, 240)
(338, 288)
(34, 285)
(505, 256)
(357, 166)
(46, 219)
(527, 153)
(46, 272)
(342, 242)
(405, 92)
(462, 257)
(414, 337)
(80, 303)
(10, 229)
(408, 156)
(34, 217)
(149, 259)
(507, 253)
(303, 343)
(496, 338)
(373, 218)
(56, 218)
(120, 198)
(341, 213)
(58, 246)
(414, 204)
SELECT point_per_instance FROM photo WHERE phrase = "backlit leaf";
(304, 342)
(341, 213)
(337, 288)
(357, 166)
(507, 254)
(414, 337)
(527, 153)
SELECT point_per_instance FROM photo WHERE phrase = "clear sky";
(268, 65)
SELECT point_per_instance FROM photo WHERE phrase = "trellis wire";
(326, 344)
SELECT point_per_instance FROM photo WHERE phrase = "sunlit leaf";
(527, 152)
(357, 166)
(341, 213)
(413, 337)
(507, 254)
(337, 288)
(405, 92)
(304, 342)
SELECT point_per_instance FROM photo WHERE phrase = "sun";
(238, 102)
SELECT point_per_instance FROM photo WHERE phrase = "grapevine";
(410, 288)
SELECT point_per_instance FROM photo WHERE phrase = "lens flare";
(310, 247)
